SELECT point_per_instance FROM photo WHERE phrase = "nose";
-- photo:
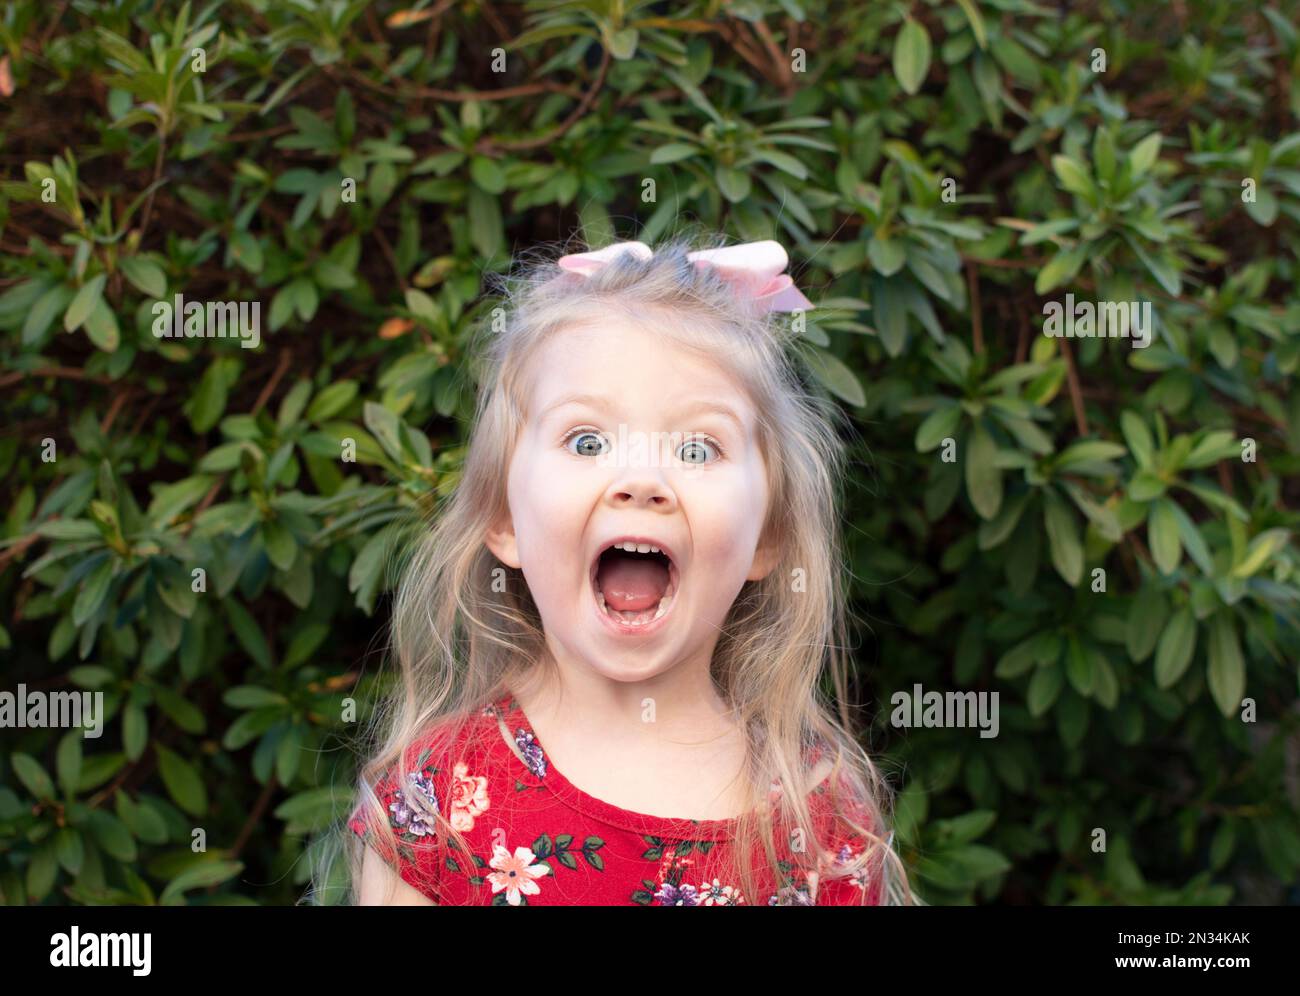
(641, 487)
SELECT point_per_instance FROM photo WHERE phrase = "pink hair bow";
(754, 269)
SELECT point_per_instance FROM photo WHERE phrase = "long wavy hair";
(458, 640)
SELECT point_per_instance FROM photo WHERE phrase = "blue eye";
(586, 441)
(694, 450)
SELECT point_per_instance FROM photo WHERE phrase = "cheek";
(727, 518)
(548, 517)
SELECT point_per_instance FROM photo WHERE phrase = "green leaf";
(983, 476)
(487, 174)
(1074, 176)
(248, 633)
(422, 307)
(1193, 542)
(1263, 209)
(886, 255)
(331, 401)
(1162, 535)
(1063, 538)
(1144, 155)
(147, 276)
(1138, 437)
(112, 835)
(622, 44)
(135, 731)
(246, 251)
(252, 697)
(1147, 616)
(180, 710)
(68, 761)
(939, 425)
(312, 809)
(42, 870)
(199, 876)
(305, 298)
(92, 593)
(1177, 644)
(281, 547)
(1044, 689)
(84, 302)
(976, 21)
(386, 428)
(1088, 451)
(1078, 666)
(32, 775)
(1061, 267)
(101, 327)
(1227, 669)
(911, 55)
(42, 314)
(70, 849)
(672, 152)
(170, 500)
(182, 781)
(1262, 549)
(210, 399)
(734, 184)
(831, 371)
(364, 575)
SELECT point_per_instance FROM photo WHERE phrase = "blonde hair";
(458, 640)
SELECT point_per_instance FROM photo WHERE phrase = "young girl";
(612, 639)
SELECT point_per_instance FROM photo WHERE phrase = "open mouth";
(634, 583)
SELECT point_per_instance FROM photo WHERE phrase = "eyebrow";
(602, 403)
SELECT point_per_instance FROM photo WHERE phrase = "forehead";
(632, 365)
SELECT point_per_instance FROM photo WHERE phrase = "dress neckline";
(536, 770)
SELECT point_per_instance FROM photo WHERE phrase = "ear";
(500, 539)
(766, 558)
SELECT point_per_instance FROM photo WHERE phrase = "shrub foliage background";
(1169, 171)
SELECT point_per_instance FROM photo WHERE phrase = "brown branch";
(740, 45)
(157, 172)
(68, 373)
(281, 368)
(505, 93)
(387, 249)
(779, 62)
(54, 24)
(1076, 395)
(17, 550)
(119, 400)
(487, 145)
(254, 817)
(1022, 341)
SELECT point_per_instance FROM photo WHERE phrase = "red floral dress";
(536, 839)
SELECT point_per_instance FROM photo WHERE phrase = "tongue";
(631, 584)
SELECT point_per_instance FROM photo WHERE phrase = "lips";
(642, 620)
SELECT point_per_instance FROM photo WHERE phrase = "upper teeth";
(636, 547)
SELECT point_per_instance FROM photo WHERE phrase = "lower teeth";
(633, 618)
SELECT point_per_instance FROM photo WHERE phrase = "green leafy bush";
(1099, 533)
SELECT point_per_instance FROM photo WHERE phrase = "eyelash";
(695, 437)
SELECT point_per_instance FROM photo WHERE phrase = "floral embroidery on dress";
(534, 759)
(516, 874)
(792, 895)
(413, 811)
(716, 894)
(671, 887)
(469, 797)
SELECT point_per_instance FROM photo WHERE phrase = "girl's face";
(628, 436)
